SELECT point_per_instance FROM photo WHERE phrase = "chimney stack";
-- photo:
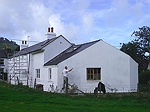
(24, 44)
(50, 34)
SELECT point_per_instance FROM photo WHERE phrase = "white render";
(119, 72)
(5, 65)
(20, 65)
(55, 48)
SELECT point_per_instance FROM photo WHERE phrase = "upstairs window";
(37, 73)
(93, 73)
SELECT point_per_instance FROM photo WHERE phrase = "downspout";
(28, 70)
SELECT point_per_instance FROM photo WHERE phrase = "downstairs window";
(93, 73)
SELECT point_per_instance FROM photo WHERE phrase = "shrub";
(144, 77)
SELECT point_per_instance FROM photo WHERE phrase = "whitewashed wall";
(133, 75)
(53, 81)
(114, 64)
(118, 70)
(38, 62)
(55, 48)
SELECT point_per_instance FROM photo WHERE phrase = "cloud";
(20, 19)
(116, 22)
(74, 21)
(78, 21)
(120, 12)
(66, 29)
(88, 22)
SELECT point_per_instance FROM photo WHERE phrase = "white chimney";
(50, 34)
(24, 44)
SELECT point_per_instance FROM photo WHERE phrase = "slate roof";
(6, 53)
(74, 49)
(35, 47)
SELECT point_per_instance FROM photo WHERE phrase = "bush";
(144, 77)
(144, 81)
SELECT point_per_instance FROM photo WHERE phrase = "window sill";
(91, 81)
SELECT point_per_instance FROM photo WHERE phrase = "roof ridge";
(90, 42)
(35, 47)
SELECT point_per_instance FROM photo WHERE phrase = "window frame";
(93, 74)
(50, 73)
(37, 73)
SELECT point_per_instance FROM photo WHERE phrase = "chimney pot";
(22, 42)
(52, 29)
(48, 29)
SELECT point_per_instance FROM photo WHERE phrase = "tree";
(143, 38)
(134, 50)
(139, 47)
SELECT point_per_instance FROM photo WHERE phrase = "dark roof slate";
(35, 47)
(74, 49)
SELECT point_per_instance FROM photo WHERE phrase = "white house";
(92, 62)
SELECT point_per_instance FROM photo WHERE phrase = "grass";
(24, 99)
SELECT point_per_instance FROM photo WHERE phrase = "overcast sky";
(78, 20)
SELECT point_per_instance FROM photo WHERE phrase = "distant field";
(23, 99)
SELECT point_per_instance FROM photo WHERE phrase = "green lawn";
(23, 99)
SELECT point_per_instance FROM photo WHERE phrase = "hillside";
(24, 99)
(7, 44)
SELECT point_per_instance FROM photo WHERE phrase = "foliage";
(134, 50)
(143, 37)
(139, 47)
(144, 77)
(23, 99)
(144, 81)
(8, 46)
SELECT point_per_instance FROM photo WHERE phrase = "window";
(1, 61)
(37, 73)
(93, 73)
(50, 73)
